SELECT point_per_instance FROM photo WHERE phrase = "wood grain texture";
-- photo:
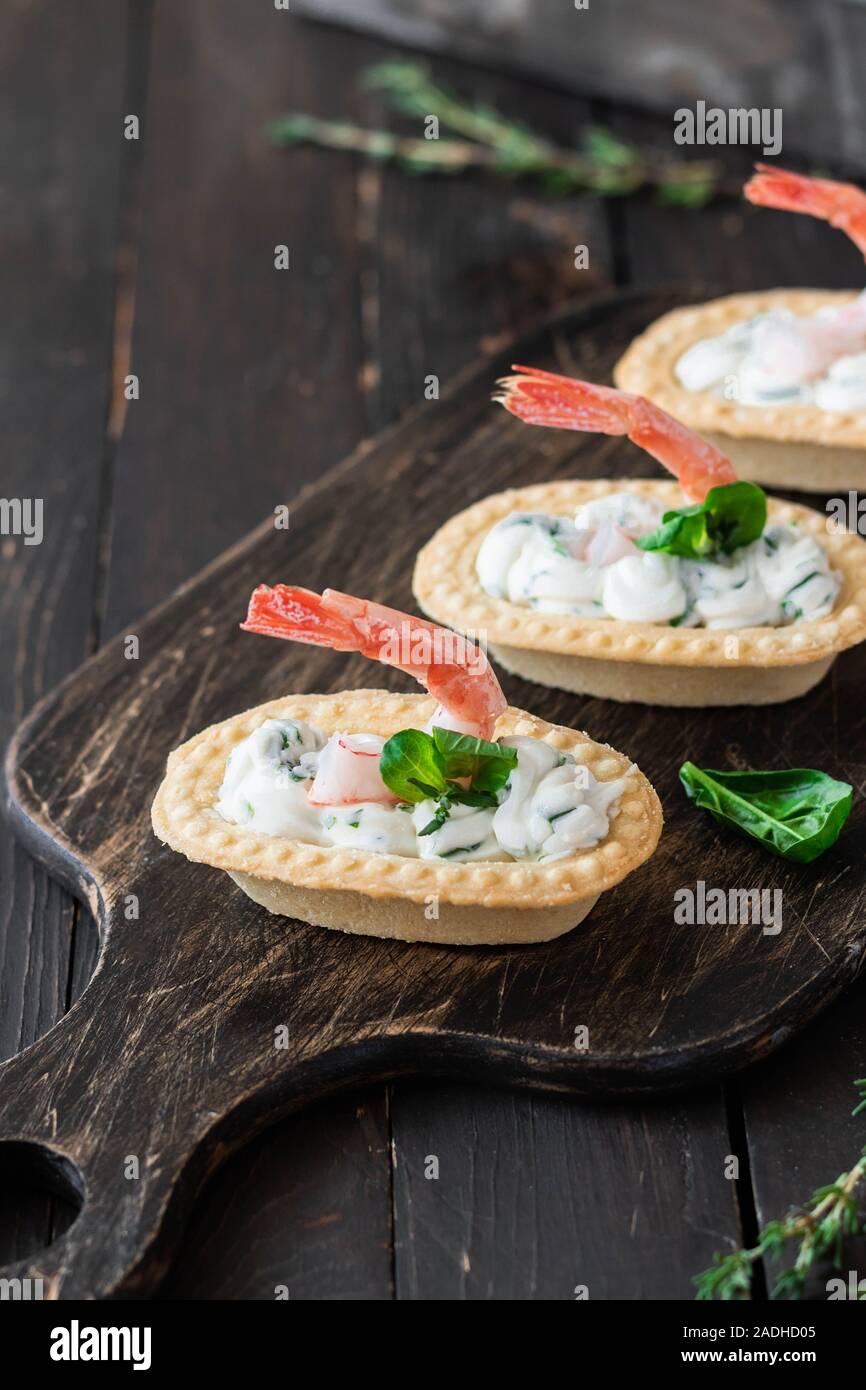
(206, 980)
(60, 177)
(302, 1213)
(532, 1197)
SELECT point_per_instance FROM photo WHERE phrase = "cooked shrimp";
(348, 772)
(800, 349)
(454, 670)
(544, 398)
(843, 205)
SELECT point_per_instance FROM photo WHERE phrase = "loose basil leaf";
(796, 812)
(487, 765)
(411, 767)
(729, 517)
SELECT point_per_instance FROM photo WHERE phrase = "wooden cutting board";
(169, 1057)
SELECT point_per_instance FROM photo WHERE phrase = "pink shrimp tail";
(299, 615)
(545, 398)
(455, 671)
(843, 205)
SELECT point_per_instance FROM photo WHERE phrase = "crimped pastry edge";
(447, 589)
(647, 368)
(184, 817)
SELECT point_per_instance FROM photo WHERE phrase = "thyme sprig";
(480, 137)
(819, 1229)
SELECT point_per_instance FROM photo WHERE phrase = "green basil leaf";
(487, 765)
(470, 796)
(443, 810)
(429, 793)
(797, 813)
(421, 767)
(411, 767)
(729, 517)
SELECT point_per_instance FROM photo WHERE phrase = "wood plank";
(799, 1125)
(804, 59)
(249, 389)
(458, 265)
(59, 186)
(729, 244)
(302, 1213)
(537, 1197)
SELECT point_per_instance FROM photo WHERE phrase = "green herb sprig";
(480, 137)
(730, 516)
(817, 1230)
(445, 767)
(795, 812)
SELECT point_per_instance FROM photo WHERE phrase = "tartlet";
(650, 662)
(390, 895)
(786, 446)
(783, 437)
(643, 662)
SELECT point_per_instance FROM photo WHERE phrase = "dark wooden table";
(156, 257)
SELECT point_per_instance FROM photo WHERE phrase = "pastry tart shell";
(389, 895)
(644, 662)
(795, 446)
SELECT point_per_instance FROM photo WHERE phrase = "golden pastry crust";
(647, 368)
(447, 588)
(184, 816)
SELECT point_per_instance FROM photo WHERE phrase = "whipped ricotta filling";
(782, 358)
(550, 807)
(589, 566)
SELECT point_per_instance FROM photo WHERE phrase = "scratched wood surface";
(59, 166)
(412, 275)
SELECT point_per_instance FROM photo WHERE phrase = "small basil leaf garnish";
(438, 766)
(487, 765)
(470, 796)
(795, 812)
(729, 517)
(426, 789)
(411, 767)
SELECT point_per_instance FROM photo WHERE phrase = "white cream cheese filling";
(590, 567)
(550, 807)
(779, 359)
